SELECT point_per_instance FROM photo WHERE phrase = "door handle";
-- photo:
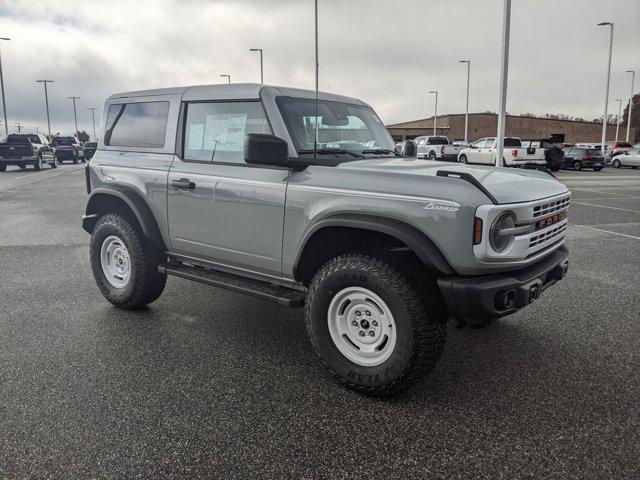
(183, 183)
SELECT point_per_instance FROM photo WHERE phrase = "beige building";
(527, 128)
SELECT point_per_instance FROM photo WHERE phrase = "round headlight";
(498, 237)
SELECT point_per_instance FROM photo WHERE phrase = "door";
(487, 153)
(632, 158)
(221, 209)
(421, 144)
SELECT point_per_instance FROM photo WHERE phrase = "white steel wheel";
(361, 326)
(115, 261)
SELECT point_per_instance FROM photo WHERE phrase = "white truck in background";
(437, 147)
(483, 152)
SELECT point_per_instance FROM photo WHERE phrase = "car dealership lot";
(210, 382)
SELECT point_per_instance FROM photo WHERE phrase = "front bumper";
(475, 300)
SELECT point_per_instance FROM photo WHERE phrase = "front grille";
(548, 208)
(548, 235)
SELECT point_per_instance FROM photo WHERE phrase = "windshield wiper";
(381, 151)
(330, 151)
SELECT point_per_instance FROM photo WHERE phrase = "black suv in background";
(89, 149)
(578, 158)
(68, 148)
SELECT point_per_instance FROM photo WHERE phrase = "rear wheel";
(38, 163)
(125, 266)
(462, 159)
(23, 166)
(3, 167)
(617, 163)
(597, 169)
(54, 164)
(577, 165)
(432, 156)
(75, 159)
(372, 325)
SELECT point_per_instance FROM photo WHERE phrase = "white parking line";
(603, 206)
(608, 193)
(32, 174)
(607, 231)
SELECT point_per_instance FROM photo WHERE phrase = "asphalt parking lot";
(210, 383)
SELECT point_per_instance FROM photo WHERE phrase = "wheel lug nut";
(367, 313)
(361, 332)
(374, 323)
(354, 323)
(358, 313)
(372, 333)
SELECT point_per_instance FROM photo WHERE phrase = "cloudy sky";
(388, 53)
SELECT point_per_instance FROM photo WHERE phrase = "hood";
(506, 184)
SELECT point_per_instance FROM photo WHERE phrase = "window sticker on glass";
(196, 136)
(225, 132)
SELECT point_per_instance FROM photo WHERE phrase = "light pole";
(619, 100)
(261, 66)
(606, 92)
(633, 77)
(504, 70)
(228, 78)
(46, 101)
(466, 110)
(93, 120)
(435, 116)
(75, 115)
(4, 105)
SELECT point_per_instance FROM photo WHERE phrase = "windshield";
(345, 127)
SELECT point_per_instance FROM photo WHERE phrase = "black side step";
(249, 286)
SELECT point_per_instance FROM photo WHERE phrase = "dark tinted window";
(90, 145)
(13, 138)
(512, 142)
(64, 140)
(593, 152)
(142, 125)
(215, 131)
(438, 141)
(623, 144)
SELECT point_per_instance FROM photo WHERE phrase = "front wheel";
(38, 163)
(617, 163)
(374, 328)
(124, 265)
(462, 159)
(577, 165)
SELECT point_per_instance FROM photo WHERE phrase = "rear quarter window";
(138, 125)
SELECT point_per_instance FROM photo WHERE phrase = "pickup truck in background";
(483, 152)
(553, 151)
(68, 148)
(26, 149)
(437, 147)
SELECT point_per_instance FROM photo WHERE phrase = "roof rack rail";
(467, 177)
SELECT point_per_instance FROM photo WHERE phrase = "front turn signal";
(477, 231)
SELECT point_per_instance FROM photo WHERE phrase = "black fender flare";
(417, 241)
(136, 204)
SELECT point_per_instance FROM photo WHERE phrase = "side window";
(215, 131)
(141, 125)
(479, 143)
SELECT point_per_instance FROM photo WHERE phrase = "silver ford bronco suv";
(269, 192)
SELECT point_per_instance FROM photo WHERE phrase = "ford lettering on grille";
(553, 219)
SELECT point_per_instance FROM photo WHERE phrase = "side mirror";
(410, 149)
(264, 149)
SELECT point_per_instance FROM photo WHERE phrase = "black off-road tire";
(54, 164)
(432, 156)
(37, 165)
(419, 314)
(3, 167)
(145, 284)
